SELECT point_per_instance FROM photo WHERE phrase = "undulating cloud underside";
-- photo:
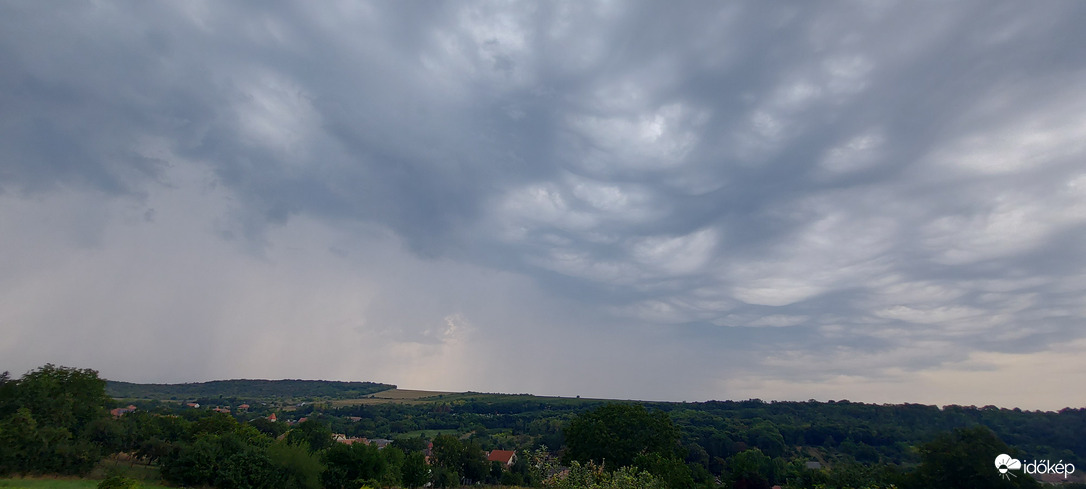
(880, 201)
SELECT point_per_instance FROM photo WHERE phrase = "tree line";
(251, 389)
(55, 420)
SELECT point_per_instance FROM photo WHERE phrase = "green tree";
(44, 419)
(312, 433)
(61, 397)
(447, 452)
(409, 445)
(671, 471)
(464, 458)
(415, 471)
(151, 436)
(269, 427)
(750, 469)
(614, 435)
(473, 464)
(301, 468)
(19, 437)
(394, 460)
(224, 461)
(444, 477)
(347, 466)
(963, 459)
(767, 438)
(214, 424)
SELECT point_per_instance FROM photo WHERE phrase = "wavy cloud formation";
(875, 200)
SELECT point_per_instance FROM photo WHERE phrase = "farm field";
(406, 394)
(413, 396)
(401, 396)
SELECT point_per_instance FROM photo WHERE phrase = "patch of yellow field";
(403, 396)
(406, 394)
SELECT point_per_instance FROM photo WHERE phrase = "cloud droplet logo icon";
(1005, 463)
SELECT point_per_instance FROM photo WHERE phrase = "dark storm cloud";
(895, 182)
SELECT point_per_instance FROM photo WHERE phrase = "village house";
(344, 439)
(380, 442)
(118, 412)
(506, 457)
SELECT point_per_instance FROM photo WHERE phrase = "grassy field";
(114, 465)
(401, 396)
(58, 483)
(406, 394)
(410, 396)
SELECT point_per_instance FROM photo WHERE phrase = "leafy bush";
(592, 476)
(119, 482)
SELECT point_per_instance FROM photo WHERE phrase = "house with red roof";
(118, 412)
(506, 457)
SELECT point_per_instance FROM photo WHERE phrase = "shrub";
(119, 482)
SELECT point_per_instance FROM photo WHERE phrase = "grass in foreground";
(59, 483)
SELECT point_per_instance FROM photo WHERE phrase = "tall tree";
(60, 397)
(312, 433)
(616, 434)
(964, 459)
(44, 418)
(415, 471)
(348, 466)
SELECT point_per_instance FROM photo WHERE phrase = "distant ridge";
(246, 389)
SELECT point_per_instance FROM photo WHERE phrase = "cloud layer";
(873, 200)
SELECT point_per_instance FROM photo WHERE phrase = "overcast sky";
(874, 201)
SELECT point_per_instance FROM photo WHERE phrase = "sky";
(871, 200)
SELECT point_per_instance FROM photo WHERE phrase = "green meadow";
(58, 483)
